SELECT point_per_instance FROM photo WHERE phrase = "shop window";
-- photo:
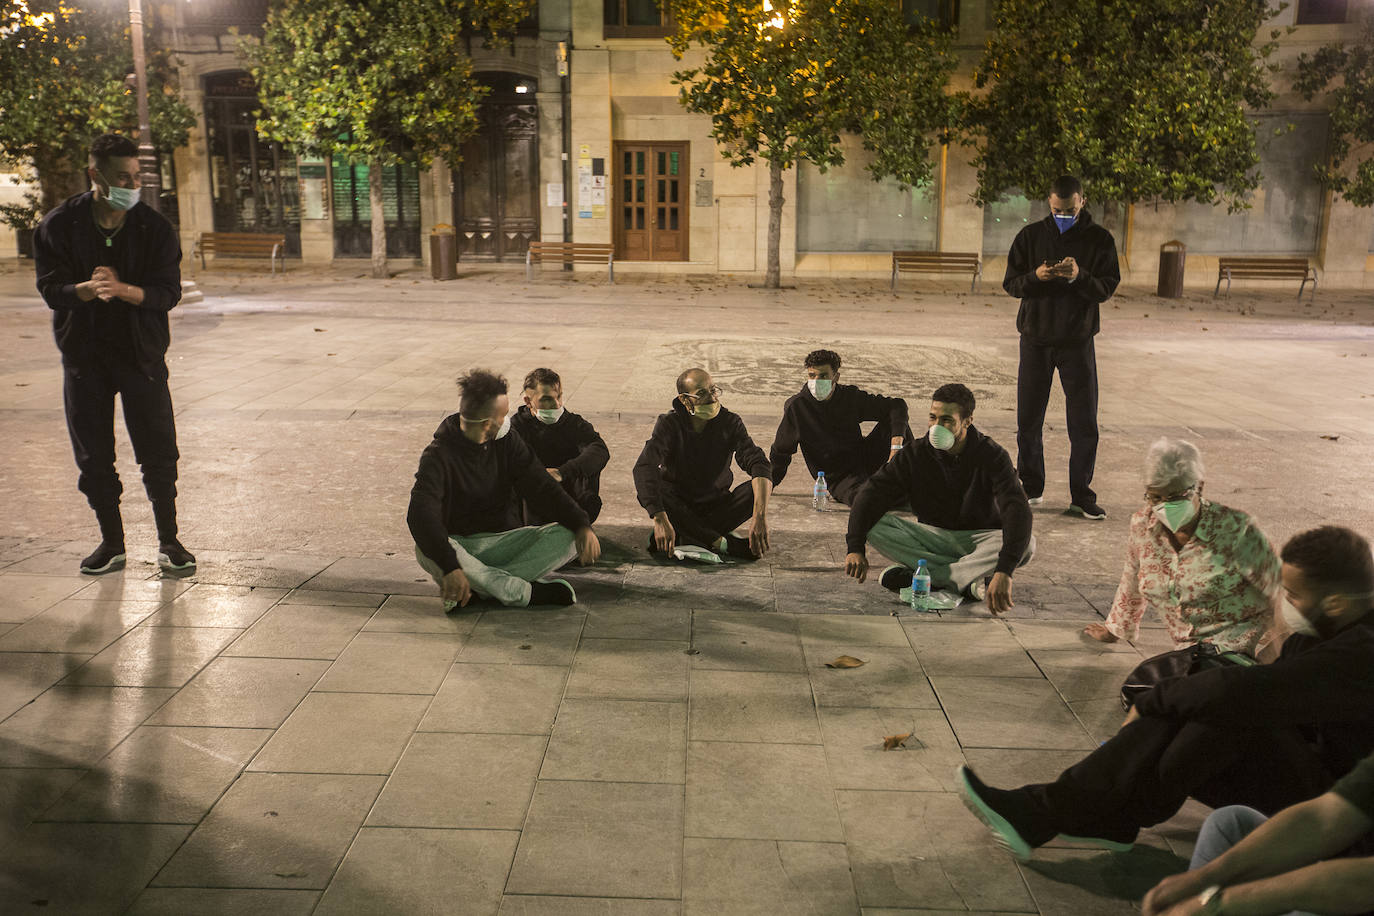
(635, 19)
(1008, 216)
(1322, 12)
(844, 209)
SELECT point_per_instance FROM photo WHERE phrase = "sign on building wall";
(704, 193)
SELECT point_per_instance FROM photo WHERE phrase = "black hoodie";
(570, 445)
(146, 253)
(828, 431)
(1056, 312)
(1323, 686)
(465, 488)
(694, 465)
(975, 489)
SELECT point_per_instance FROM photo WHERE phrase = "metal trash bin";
(1172, 254)
(443, 252)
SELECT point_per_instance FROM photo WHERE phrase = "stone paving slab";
(311, 733)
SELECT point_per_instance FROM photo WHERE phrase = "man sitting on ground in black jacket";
(972, 518)
(824, 417)
(1266, 736)
(683, 478)
(464, 508)
(566, 445)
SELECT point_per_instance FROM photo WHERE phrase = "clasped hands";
(104, 285)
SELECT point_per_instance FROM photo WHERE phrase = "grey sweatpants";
(502, 565)
(955, 559)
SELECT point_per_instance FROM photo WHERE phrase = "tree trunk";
(374, 196)
(57, 180)
(772, 278)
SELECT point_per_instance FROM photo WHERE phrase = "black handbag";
(1178, 663)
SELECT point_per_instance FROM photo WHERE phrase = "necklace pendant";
(109, 243)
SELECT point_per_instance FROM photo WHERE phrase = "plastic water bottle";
(920, 587)
(820, 493)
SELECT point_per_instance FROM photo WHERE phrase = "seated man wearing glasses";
(465, 508)
(683, 478)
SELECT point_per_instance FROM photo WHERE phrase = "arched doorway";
(496, 187)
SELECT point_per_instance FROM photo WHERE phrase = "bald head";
(693, 380)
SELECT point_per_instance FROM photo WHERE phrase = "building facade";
(583, 138)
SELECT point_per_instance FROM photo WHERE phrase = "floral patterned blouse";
(1222, 587)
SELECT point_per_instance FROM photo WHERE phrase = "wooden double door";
(651, 206)
(496, 188)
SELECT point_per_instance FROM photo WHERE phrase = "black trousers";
(1145, 773)
(1077, 366)
(703, 522)
(844, 489)
(88, 393)
(586, 493)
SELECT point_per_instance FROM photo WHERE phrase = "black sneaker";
(896, 578)
(554, 591)
(172, 557)
(1087, 509)
(739, 548)
(107, 558)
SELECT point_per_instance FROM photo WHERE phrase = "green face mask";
(1175, 513)
(549, 415)
(706, 411)
(941, 438)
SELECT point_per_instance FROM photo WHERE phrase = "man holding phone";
(1061, 268)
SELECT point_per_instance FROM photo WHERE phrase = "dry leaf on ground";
(892, 742)
(846, 661)
(1331, 438)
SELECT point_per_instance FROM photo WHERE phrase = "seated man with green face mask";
(824, 417)
(683, 478)
(972, 517)
(568, 447)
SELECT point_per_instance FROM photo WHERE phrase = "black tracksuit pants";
(89, 397)
(1077, 366)
(1145, 773)
(704, 522)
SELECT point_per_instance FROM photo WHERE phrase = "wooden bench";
(937, 262)
(1229, 269)
(570, 253)
(242, 245)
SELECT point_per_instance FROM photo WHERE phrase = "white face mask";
(821, 388)
(549, 415)
(1295, 619)
(1175, 513)
(117, 197)
(505, 427)
(941, 438)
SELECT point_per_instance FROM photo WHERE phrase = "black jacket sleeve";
(161, 283)
(1020, 280)
(542, 492)
(880, 493)
(57, 272)
(748, 456)
(592, 453)
(1097, 281)
(1015, 511)
(425, 517)
(1332, 681)
(893, 410)
(648, 469)
(785, 444)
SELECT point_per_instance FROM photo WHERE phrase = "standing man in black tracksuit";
(1265, 736)
(1061, 269)
(570, 449)
(683, 477)
(109, 267)
(824, 417)
(972, 520)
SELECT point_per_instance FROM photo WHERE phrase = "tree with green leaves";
(1142, 99)
(1350, 171)
(62, 84)
(377, 82)
(782, 81)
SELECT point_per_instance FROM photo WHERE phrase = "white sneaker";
(1036, 500)
(977, 590)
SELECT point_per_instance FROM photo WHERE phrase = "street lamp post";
(149, 174)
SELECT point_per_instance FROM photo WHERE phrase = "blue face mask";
(1064, 222)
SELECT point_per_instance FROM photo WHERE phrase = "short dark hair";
(817, 358)
(682, 379)
(478, 388)
(1337, 560)
(111, 146)
(954, 393)
(1066, 186)
(542, 376)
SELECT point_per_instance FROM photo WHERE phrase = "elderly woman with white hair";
(1207, 570)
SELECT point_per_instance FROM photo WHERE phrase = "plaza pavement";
(299, 728)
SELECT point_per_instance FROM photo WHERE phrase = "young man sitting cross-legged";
(972, 518)
(683, 478)
(1264, 736)
(465, 508)
(567, 446)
